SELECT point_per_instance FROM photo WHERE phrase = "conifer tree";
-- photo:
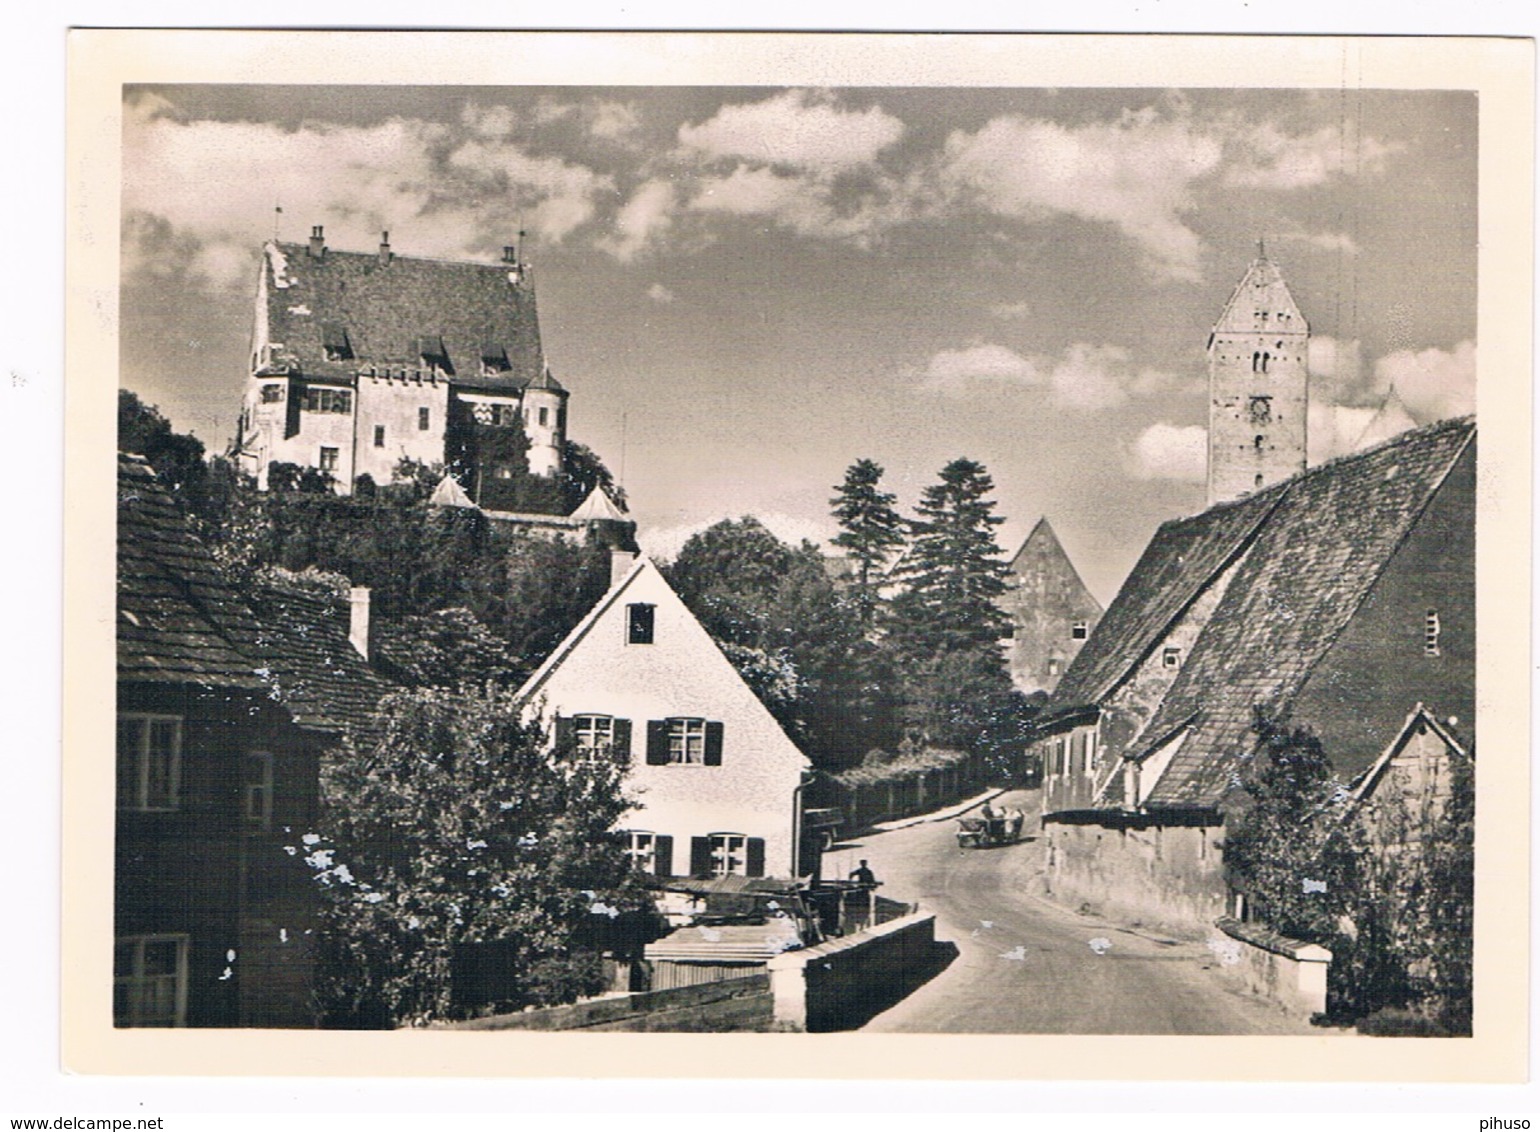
(870, 529)
(954, 573)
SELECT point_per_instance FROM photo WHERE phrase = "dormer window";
(334, 341)
(430, 348)
(494, 359)
(1430, 633)
(1171, 657)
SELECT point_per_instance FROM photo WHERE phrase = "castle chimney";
(358, 619)
(621, 562)
(317, 242)
(384, 249)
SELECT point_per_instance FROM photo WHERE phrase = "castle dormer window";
(334, 341)
(430, 348)
(494, 359)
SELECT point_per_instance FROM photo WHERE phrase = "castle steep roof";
(335, 314)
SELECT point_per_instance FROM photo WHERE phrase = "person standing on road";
(864, 877)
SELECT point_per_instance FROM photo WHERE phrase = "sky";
(748, 289)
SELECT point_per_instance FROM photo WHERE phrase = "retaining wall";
(842, 983)
(1288, 971)
(735, 1004)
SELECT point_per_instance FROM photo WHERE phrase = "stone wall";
(736, 1004)
(1290, 972)
(841, 984)
(1168, 876)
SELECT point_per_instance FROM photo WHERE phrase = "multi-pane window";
(257, 790)
(271, 393)
(639, 623)
(379, 436)
(422, 419)
(594, 735)
(687, 741)
(149, 980)
(642, 849)
(149, 761)
(729, 854)
(1430, 633)
(321, 400)
(328, 460)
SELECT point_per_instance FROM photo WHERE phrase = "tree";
(870, 529)
(582, 471)
(1278, 841)
(460, 827)
(953, 574)
(449, 648)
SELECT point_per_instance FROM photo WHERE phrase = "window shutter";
(756, 857)
(564, 733)
(657, 742)
(663, 855)
(700, 856)
(713, 743)
(622, 733)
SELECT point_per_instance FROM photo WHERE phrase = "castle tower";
(545, 423)
(1258, 376)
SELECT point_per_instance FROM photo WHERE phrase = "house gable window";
(595, 737)
(149, 761)
(149, 980)
(639, 623)
(1080, 630)
(727, 854)
(257, 790)
(684, 741)
(650, 852)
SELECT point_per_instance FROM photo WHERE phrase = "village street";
(1025, 966)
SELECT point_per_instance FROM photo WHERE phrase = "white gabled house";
(716, 780)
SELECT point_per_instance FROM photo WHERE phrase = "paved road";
(1024, 966)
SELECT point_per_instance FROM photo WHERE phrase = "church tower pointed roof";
(1261, 303)
(1391, 419)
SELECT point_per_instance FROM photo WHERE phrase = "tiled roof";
(1310, 566)
(1182, 558)
(314, 669)
(179, 620)
(383, 313)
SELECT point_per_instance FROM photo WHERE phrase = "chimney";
(317, 242)
(621, 562)
(358, 619)
(384, 249)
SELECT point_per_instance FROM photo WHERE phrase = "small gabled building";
(1336, 597)
(212, 916)
(1404, 792)
(1052, 612)
(716, 782)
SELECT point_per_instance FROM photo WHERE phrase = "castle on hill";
(362, 360)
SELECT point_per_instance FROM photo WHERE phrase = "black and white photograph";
(811, 557)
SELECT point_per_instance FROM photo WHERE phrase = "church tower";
(1258, 379)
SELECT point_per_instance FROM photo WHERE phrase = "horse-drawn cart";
(982, 833)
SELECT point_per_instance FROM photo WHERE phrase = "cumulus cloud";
(798, 128)
(1433, 383)
(658, 293)
(1010, 310)
(1264, 156)
(642, 220)
(1170, 452)
(1085, 377)
(613, 121)
(1135, 173)
(1337, 370)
